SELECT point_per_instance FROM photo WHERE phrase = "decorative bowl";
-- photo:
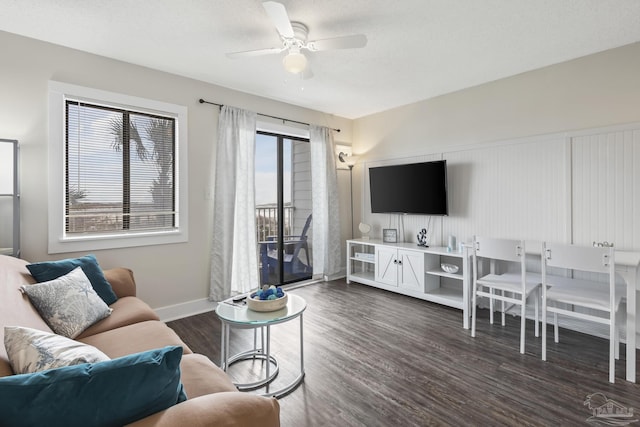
(266, 305)
(449, 268)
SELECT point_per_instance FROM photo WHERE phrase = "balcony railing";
(267, 221)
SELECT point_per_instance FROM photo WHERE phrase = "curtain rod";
(202, 101)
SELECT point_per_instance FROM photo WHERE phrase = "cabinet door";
(386, 265)
(411, 270)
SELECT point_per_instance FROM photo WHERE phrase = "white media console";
(412, 270)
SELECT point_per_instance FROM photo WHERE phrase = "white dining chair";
(513, 289)
(600, 298)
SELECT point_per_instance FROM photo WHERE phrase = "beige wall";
(166, 274)
(597, 90)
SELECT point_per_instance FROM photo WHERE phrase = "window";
(115, 170)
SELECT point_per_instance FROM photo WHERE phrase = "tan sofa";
(134, 327)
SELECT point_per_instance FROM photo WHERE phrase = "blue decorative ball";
(268, 293)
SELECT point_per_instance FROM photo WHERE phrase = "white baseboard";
(582, 326)
(342, 274)
(185, 309)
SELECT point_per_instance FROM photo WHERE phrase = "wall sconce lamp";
(349, 161)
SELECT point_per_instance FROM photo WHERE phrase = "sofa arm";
(122, 281)
(225, 409)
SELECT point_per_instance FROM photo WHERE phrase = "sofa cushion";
(49, 270)
(121, 281)
(201, 376)
(5, 368)
(135, 338)
(31, 350)
(226, 409)
(68, 304)
(126, 311)
(111, 393)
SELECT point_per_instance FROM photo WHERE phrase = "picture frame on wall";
(390, 235)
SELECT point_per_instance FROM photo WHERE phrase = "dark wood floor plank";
(375, 358)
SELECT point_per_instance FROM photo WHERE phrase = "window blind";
(119, 170)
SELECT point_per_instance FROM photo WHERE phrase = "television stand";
(413, 271)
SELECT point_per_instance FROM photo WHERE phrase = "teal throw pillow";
(50, 270)
(111, 393)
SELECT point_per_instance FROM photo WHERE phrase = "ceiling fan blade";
(278, 14)
(258, 52)
(346, 42)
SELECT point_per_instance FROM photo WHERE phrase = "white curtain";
(326, 218)
(234, 262)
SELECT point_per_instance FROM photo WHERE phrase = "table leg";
(268, 359)
(255, 338)
(223, 360)
(227, 331)
(301, 347)
(631, 278)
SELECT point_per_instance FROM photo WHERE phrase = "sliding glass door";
(283, 208)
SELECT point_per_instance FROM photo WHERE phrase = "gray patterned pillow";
(31, 350)
(68, 304)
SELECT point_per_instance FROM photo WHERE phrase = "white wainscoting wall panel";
(606, 188)
(511, 189)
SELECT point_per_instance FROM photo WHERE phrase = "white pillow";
(31, 350)
(68, 304)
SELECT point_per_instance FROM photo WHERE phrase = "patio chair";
(293, 264)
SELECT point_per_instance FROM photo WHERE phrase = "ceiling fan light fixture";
(295, 62)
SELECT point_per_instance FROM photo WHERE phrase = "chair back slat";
(502, 249)
(583, 258)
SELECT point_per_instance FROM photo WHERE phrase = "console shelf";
(441, 273)
(411, 270)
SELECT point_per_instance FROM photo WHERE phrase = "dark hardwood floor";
(375, 358)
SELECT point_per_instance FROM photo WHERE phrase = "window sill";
(115, 241)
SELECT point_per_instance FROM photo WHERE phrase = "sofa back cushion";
(5, 368)
(15, 308)
(50, 270)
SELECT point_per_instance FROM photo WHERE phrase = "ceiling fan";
(294, 41)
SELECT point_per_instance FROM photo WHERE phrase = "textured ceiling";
(417, 49)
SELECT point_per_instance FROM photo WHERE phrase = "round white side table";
(239, 316)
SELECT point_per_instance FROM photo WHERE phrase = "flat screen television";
(414, 188)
